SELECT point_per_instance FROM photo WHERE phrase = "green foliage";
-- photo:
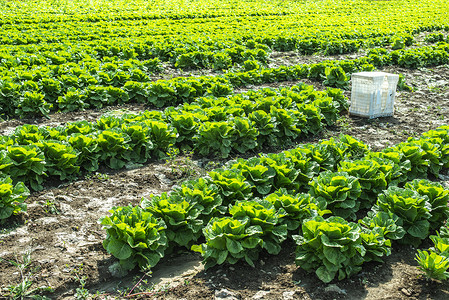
(180, 214)
(230, 240)
(402, 85)
(113, 144)
(232, 185)
(162, 136)
(336, 77)
(339, 191)
(73, 100)
(140, 143)
(394, 165)
(12, 198)
(371, 178)
(24, 164)
(258, 175)
(387, 222)
(60, 159)
(332, 247)
(412, 209)
(245, 135)
(433, 264)
(298, 208)
(305, 167)
(214, 138)
(161, 94)
(438, 199)
(135, 237)
(87, 151)
(264, 214)
(375, 243)
(32, 104)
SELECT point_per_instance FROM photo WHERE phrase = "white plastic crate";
(373, 94)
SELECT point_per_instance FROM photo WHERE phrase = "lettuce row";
(211, 126)
(400, 214)
(25, 98)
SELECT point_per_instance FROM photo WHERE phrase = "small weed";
(23, 289)
(102, 176)
(438, 89)
(298, 282)
(81, 292)
(50, 207)
(182, 165)
(344, 123)
(98, 176)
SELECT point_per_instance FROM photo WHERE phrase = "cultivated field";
(204, 149)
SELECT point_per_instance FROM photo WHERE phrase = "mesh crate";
(373, 94)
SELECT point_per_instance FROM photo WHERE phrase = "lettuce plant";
(245, 135)
(339, 191)
(186, 124)
(298, 208)
(264, 214)
(327, 109)
(331, 247)
(435, 262)
(438, 199)
(304, 165)
(326, 154)
(60, 159)
(204, 194)
(12, 197)
(113, 143)
(32, 104)
(73, 100)
(432, 153)
(162, 136)
(140, 144)
(24, 164)
(393, 164)
(285, 123)
(27, 134)
(371, 178)
(313, 124)
(286, 171)
(83, 127)
(5, 142)
(375, 243)
(214, 138)
(412, 209)
(161, 93)
(388, 223)
(135, 237)
(355, 149)
(181, 215)
(423, 157)
(232, 185)
(230, 240)
(259, 176)
(440, 136)
(265, 124)
(87, 151)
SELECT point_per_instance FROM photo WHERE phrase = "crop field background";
(205, 150)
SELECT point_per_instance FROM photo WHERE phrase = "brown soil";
(62, 234)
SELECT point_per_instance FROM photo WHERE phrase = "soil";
(61, 234)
